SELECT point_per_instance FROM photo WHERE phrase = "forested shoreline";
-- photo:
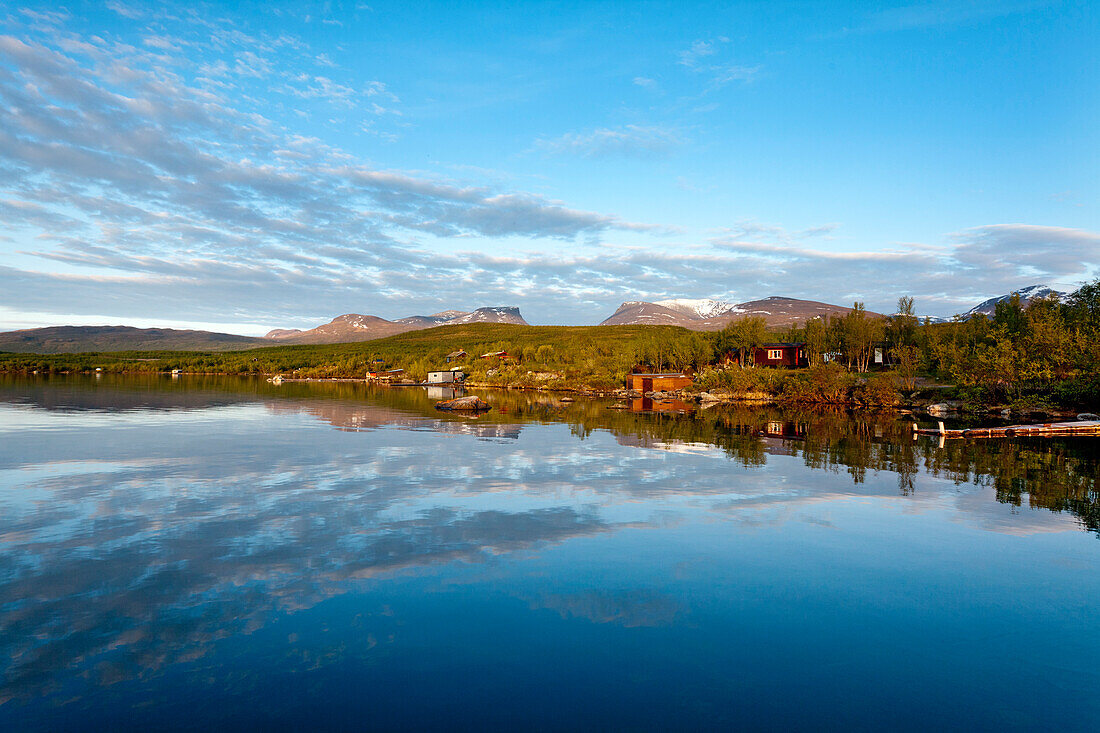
(1043, 354)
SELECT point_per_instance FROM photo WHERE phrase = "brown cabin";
(659, 382)
(455, 355)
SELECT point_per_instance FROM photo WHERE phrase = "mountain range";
(355, 327)
(696, 314)
(713, 315)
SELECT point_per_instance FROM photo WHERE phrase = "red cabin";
(785, 354)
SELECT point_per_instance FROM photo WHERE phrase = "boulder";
(1088, 416)
(464, 404)
(939, 409)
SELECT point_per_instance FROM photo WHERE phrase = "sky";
(247, 166)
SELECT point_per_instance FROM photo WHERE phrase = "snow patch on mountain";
(988, 307)
(699, 307)
(499, 314)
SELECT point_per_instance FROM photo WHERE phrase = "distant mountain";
(778, 311)
(348, 327)
(712, 315)
(282, 333)
(70, 339)
(989, 307)
(355, 327)
(639, 313)
(490, 315)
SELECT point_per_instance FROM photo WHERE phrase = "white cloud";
(150, 194)
(727, 74)
(690, 56)
(606, 142)
(126, 11)
(141, 192)
(719, 73)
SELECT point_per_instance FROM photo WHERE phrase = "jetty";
(1037, 430)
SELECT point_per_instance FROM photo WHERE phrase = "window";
(774, 354)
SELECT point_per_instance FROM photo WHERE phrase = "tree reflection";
(1059, 475)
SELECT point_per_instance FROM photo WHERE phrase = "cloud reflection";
(130, 546)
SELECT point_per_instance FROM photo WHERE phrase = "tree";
(1084, 304)
(743, 336)
(860, 334)
(1009, 314)
(1049, 346)
(816, 340)
(902, 326)
(907, 359)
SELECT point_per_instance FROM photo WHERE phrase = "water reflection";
(1058, 475)
(146, 524)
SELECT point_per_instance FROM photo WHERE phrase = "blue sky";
(251, 166)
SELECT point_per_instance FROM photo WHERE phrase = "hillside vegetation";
(594, 355)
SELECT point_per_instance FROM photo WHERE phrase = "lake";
(198, 553)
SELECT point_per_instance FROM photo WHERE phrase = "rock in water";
(466, 404)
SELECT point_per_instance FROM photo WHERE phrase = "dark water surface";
(219, 553)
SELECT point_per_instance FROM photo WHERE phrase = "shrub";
(827, 383)
(878, 390)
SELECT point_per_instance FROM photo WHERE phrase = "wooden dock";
(1038, 430)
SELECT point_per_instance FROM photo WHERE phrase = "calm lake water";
(194, 553)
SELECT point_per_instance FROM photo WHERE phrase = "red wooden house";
(780, 354)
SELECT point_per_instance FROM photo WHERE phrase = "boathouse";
(660, 382)
(451, 376)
